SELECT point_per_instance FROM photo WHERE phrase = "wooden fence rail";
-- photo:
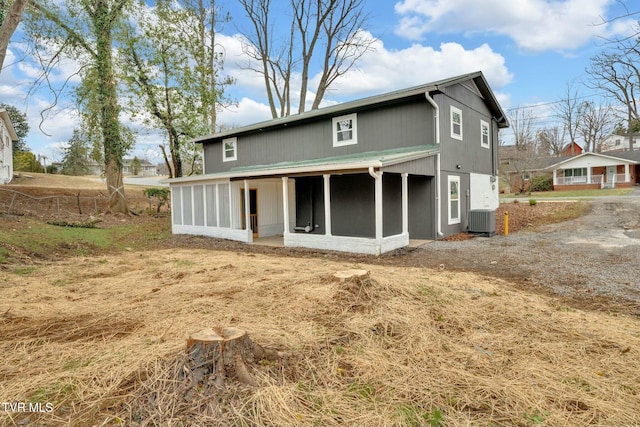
(16, 202)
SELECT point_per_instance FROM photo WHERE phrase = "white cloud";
(535, 25)
(247, 111)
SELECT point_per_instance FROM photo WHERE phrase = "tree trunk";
(217, 356)
(9, 25)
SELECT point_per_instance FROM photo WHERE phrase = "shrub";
(532, 202)
(160, 194)
(541, 183)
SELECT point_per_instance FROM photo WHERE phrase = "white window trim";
(453, 134)
(450, 180)
(482, 143)
(354, 131)
(226, 158)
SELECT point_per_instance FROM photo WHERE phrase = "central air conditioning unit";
(482, 222)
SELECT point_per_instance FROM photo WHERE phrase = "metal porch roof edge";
(375, 159)
(346, 107)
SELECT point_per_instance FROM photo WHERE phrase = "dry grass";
(411, 346)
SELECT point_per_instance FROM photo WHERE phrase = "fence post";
(12, 199)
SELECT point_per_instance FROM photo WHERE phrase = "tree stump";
(218, 355)
(347, 275)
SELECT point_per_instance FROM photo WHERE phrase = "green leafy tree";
(25, 161)
(20, 125)
(85, 29)
(76, 156)
(171, 67)
(136, 166)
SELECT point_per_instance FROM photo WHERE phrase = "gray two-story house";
(363, 176)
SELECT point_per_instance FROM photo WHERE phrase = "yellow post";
(506, 223)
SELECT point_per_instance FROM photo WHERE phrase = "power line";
(544, 104)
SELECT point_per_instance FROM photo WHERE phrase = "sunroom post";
(378, 203)
(327, 204)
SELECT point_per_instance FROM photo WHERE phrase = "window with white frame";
(456, 123)
(485, 134)
(229, 149)
(345, 130)
(454, 199)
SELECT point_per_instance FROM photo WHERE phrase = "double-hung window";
(345, 130)
(229, 149)
(456, 123)
(485, 134)
(454, 199)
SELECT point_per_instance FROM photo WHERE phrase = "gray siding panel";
(426, 166)
(187, 213)
(468, 153)
(210, 192)
(421, 207)
(402, 125)
(198, 205)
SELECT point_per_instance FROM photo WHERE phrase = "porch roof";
(376, 159)
(591, 160)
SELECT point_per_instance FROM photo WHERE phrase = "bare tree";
(551, 140)
(522, 123)
(8, 26)
(617, 74)
(569, 112)
(335, 26)
(597, 122)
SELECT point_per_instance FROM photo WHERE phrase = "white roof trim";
(603, 156)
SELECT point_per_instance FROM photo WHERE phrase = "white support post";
(285, 203)
(627, 177)
(555, 177)
(231, 206)
(247, 208)
(327, 204)
(378, 203)
(589, 175)
(405, 203)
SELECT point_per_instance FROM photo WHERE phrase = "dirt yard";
(100, 339)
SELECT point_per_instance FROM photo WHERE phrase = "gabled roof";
(376, 159)
(602, 156)
(351, 106)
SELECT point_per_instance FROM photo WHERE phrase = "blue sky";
(528, 50)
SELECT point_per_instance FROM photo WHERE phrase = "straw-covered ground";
(93, 331)
(102, 341)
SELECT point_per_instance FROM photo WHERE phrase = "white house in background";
(596, 170)
(7, 136)
(616, 142)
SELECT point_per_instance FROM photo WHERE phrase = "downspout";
(436, 118)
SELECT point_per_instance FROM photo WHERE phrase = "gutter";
(436, 119)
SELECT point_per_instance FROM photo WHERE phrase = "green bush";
(160, 194)
(541, 183)
(532, 202)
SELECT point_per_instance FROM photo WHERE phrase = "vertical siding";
(223, 200)
(187, 213)
(401, 125)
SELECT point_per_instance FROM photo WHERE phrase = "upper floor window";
(484, 134)
(229, 149)
(345, 130)
(456, 123)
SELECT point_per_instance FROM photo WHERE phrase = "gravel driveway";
(594, 259)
